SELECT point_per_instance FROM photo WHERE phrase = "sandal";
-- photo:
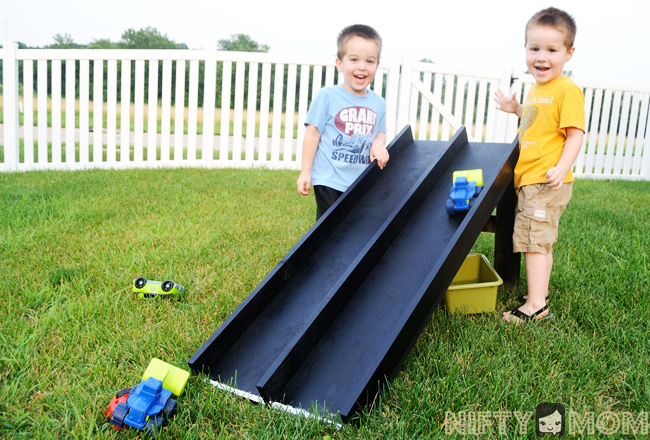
(522, 317)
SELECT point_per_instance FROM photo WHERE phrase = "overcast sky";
(611, 45)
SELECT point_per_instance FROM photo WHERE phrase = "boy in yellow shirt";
(552, 123)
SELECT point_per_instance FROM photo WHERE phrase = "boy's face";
(546, 53)
(359, 64)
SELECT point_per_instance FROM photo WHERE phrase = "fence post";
(10, 104)
(404, 94)
(209, 102)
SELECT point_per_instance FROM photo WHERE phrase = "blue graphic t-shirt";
(348, 124)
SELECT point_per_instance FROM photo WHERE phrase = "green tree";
(64, 41)
(103, 43)
(239, 43)
(242, 43)
(148, 38)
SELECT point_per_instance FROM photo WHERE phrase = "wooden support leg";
(506, 263)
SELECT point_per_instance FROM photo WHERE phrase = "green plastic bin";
(474, 288)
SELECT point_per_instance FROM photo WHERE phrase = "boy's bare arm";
(378, 150)
(309, 147)
(508, 104)
(555, 175)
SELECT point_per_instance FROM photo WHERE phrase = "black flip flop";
(527, 318)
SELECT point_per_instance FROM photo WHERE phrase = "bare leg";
(538, 274)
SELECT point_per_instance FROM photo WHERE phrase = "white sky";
(611, 45)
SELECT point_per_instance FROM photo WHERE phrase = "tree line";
(146, 38)
(152, 38)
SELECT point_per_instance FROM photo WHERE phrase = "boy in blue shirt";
(346, 124)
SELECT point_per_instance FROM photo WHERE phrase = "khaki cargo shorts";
(537, 216)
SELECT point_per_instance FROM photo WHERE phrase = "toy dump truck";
(467, 185)
(148, 405)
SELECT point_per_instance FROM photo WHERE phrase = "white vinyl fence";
(236, 109)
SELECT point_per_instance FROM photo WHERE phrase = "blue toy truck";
(467, 186)
(147, 407)
(149, 404)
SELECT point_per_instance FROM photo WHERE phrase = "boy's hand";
(555, 178)
(381, 154)
(378, 150)
(304, 182)
(507, 104)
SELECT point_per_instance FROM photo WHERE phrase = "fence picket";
(56, 111)
(165, 116)
(11, 107)
(240, 74)
(226, 84)
(111, 114)
(482, 102)
(251, 112)
(70, 81)
(448, 101)
(638, 150)
(303, 98)
(207, 147)
(626, 161)
(601, 148)
(264, 112)
(392, 67)
(645, 167)
(28, 112)
(593, 131)
(290, 105)
(579, 166)
(179, 112)
(435, 113)
(152, 118)
(98, 111)
(41, 93)
(192, 111)
(125, 113)
(425, 106)
(329, 76)
(412, 109)
(84, 112)
(622, 131)
(277, 113)
(470, 103)
(138, 119)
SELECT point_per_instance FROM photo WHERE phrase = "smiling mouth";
(542, 69)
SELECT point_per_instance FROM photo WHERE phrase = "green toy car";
(148, 289)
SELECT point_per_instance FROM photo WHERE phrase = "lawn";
(73, 334)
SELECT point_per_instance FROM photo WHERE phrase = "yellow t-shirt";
(548, 111)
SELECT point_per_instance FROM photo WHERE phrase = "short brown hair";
(356, 30)
(557, 19)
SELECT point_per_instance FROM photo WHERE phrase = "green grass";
(72, 334)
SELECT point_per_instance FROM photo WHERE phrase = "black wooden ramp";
(336, 317)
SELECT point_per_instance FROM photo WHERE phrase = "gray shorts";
(537, 216)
